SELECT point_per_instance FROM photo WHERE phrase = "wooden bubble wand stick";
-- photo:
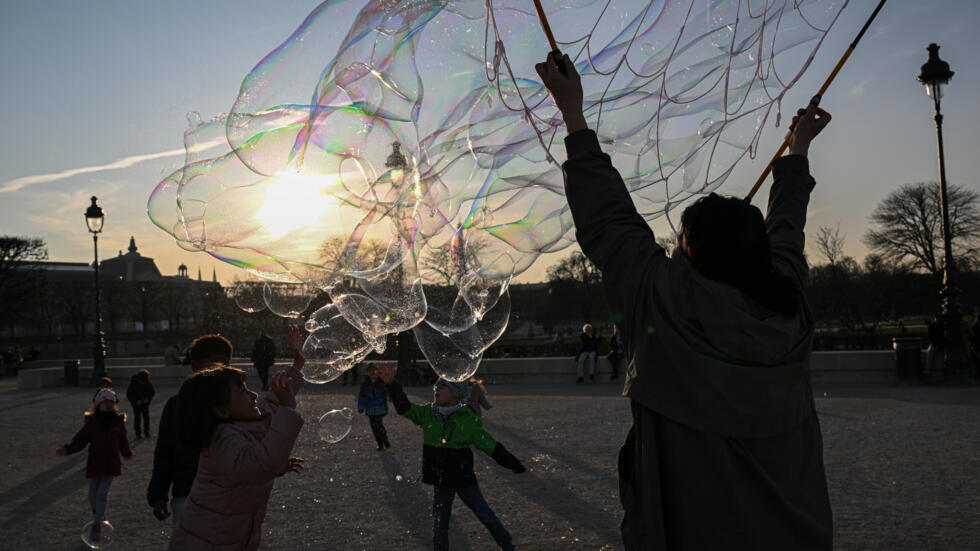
(555, 52)
(816, 100)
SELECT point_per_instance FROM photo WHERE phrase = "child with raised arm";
(449, 428)
(245, 444)
(725, 450)
(104, 432)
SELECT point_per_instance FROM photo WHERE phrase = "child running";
(139, 394)
(244, 446)
(449, 428)
(373, 401)
(104, 432)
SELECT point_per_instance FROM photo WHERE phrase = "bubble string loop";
(815, 101)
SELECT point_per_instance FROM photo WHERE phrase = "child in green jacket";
(449, 427)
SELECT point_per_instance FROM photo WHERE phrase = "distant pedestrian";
(616, 352)
(936, 352)
(263, 357)
(587, 353)
(18, 358)
(244, 445)
(372, 401)
(139, 394)
(104, 432)
(449, 428)
(477, 396)
(171, 355)
(175, 466)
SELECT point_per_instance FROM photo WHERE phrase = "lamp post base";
(956, 367)
(98, 357)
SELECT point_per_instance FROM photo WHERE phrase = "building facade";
(142, 309)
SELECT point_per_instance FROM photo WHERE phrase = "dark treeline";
(856, 306)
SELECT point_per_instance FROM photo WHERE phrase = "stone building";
(141, 308)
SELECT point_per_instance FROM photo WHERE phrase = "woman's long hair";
(727, 241)
(200, 394)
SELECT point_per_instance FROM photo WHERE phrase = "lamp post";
(398, 164)
(94, 217)
(935, 74)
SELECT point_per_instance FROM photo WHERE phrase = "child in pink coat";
(477, 398)
(104, 433)
(245, 444)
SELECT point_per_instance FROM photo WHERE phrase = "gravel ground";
(902, 465)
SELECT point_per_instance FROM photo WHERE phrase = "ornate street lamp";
(94, 217)
(398, 164)
(935, 75)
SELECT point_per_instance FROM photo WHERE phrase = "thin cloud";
(126, 162)
(859, 88)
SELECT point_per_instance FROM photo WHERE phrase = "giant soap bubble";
(249, 296)
(403, 156)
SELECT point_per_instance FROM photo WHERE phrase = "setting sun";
(294, 201)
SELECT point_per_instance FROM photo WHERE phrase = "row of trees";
(900, 277)
(51, 303)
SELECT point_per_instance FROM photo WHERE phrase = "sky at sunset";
(95, 95)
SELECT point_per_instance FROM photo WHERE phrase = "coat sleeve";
(479, 437)
(610, 231)
(80, 440)
(786, 214)
(484, 403)
(131, 393)
(242, 459)
(164, 454)
(361, 399)
(150, 392)
(402, 405)
(506, 459)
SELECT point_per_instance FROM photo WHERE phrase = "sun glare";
(294, 201)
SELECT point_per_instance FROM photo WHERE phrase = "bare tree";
(369, 253)
(906, 227)
(449, 264)
(334, 253)
(578, 269)
(20, 276)
(830, 244)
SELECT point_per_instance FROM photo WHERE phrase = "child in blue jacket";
(373, 400)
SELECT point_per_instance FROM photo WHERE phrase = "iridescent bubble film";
(334, 425)
(97, 535)
(404, 157)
